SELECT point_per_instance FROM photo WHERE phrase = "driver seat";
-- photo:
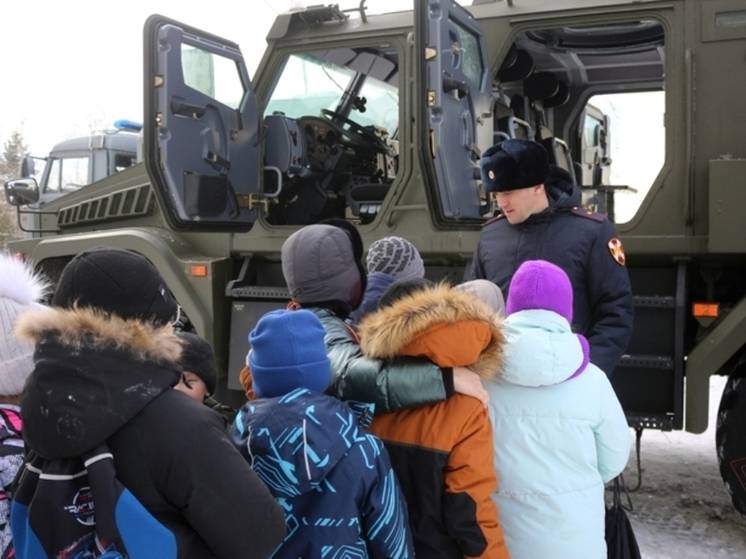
(365, 200)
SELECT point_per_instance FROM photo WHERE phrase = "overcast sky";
(71, 65)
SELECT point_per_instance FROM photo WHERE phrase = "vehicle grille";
(131, 202)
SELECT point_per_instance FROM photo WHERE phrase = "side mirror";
(21, 192)
(27, 166)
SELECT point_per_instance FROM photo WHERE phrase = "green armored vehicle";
(380, 119)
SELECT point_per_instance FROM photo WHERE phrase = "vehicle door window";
(213, 75)
(471, 59)
(591, 127)
(74, 172)
(53, 179)
(123, 161)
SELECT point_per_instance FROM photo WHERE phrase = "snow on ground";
(682, 510)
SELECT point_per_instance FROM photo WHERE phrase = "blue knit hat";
(288, 352)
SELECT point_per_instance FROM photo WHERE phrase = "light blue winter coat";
(557, 441)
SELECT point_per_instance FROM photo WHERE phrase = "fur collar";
(78, 327)
(385, 332)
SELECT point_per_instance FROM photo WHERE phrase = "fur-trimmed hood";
(91, 327)
(93, 372)
(386, 333)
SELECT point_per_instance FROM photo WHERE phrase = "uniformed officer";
(541, 218)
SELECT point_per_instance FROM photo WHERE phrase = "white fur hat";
(20, 289)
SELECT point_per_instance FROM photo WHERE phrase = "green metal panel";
(707, 358)
(727, 180)
(199, 297)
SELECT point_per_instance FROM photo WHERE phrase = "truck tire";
(730, 440)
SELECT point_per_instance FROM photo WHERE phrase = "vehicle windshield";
(66, 174)
(382, 105)
(311, 82)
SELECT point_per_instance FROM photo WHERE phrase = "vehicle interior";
(546, 89)
(543, 85)
(331, 122)
(331, 135)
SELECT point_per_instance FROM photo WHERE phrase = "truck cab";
(75, 163)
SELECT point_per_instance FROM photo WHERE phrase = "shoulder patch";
(617, 251)
(588, 214)
(492, 220)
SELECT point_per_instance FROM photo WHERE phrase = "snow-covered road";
(682, 510)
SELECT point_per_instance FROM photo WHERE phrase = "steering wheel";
(356, 135)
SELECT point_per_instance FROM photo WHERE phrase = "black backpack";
(620, 538)
(77, 509)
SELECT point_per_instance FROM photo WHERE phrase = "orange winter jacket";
(442, 453)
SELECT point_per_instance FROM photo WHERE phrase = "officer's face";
(517, 205)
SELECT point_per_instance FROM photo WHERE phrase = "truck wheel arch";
(168, 255)
(708, 358)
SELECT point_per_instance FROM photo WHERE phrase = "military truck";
(381, 119)
(75, 163)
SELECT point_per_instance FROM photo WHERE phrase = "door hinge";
(255, 201)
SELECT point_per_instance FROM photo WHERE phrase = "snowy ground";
(682, 510)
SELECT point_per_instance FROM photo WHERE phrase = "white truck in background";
(78, 162)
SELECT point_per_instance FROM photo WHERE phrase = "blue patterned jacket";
(331, 477)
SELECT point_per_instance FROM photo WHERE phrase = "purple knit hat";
(538, 284)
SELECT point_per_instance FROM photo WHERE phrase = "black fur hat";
(514, 164)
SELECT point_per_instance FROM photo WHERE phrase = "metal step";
(647, 361)
(654, 302)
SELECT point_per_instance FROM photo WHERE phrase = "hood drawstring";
(305, 451)
(248, 448)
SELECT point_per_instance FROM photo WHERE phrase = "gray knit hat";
(20, 289)
(487, 292)
(395, 257)
(318, 264)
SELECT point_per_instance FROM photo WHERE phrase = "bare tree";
(13, 151)
(10, 166)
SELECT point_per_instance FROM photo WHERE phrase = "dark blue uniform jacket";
(578, 242)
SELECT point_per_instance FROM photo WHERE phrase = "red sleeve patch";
(617, 251)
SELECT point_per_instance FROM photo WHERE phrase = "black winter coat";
(577, 241)
(99, 378)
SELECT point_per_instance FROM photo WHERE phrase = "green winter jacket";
(356, 377)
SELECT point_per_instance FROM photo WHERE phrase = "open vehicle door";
(201, 127)
(453, 85)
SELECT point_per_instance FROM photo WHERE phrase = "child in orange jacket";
(441, 453)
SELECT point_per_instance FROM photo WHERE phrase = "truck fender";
(170, 255)
(707, 358)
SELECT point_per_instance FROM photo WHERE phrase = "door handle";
(183, 108)
(459, 86)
